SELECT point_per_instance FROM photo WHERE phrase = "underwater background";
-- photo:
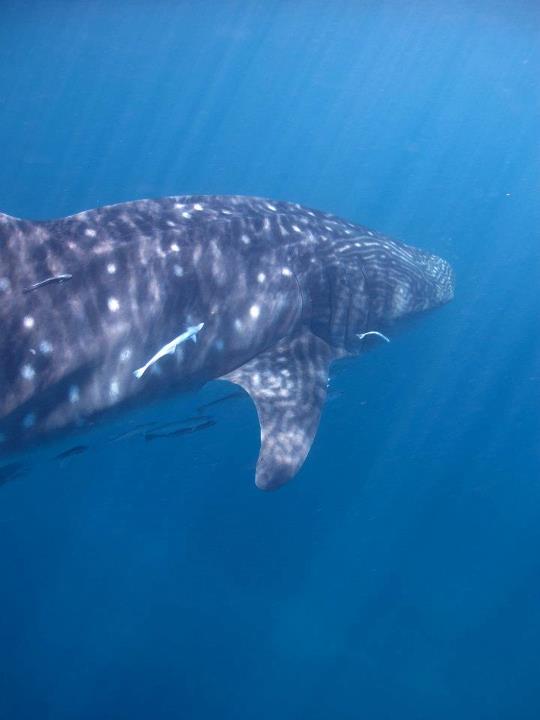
(398, 575)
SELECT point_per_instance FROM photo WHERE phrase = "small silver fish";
(55, 279)
(170, 347)
(373, 332)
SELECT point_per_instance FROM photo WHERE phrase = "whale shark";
(96, 310)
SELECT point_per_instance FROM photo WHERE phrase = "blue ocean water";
(399, 574)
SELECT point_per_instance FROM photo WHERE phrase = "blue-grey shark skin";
(280, 290)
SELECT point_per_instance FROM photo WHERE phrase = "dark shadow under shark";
(99, 310)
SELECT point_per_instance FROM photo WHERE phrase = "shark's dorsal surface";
(96, 310)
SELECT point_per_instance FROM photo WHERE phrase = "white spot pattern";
(28, 372)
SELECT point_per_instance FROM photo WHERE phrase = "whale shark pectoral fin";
(288, 386)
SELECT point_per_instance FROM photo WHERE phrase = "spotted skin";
(282, 291)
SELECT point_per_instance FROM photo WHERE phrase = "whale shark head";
(367, 282)
(424, 283)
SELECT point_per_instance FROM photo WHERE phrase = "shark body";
(272, 291)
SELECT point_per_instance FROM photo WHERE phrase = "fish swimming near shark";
(71, 452)
(169, 348)
(186, 427)
(273, 292)
(10, 472)
(235, 395)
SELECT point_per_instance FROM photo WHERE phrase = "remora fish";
(11, 471)
(54, 280)
(184, 430)
(70, 452)
(236, 395)
(169, 348)
(282, 291)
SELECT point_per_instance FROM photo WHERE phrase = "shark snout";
(426, 281)
(442, 279)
